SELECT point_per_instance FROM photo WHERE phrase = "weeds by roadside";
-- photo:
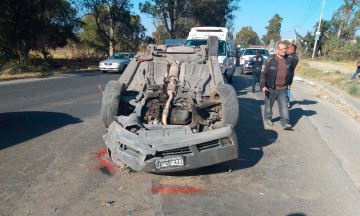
(33, 69)
(336, 79)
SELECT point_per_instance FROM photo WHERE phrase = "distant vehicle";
(245, 66)
(116, 63)
(174, 42)
(226, 55)
(239, 53)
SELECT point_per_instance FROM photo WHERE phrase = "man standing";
(256, 62)
(274, 82)
(293, 60)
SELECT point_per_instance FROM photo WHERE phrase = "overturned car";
(171, 111)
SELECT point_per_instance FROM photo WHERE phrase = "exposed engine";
(164, 104)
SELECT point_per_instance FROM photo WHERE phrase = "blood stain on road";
(174, 190)
(106, 166)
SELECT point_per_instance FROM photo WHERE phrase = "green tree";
(325, 34)
(346, 20)
(247, 36)
(115, 24)
(167, 13)
(178, 16)
(305, 43)
(213, 12)
(35, 25)
(273, 30)
(90, 37)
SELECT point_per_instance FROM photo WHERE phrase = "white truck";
(226, 55)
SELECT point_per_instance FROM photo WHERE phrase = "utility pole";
(317, 34)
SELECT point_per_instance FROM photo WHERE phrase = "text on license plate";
(169, 162)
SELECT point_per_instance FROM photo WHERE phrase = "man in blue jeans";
(274, 81)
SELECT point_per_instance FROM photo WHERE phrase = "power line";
(311, 13)
(302, 18)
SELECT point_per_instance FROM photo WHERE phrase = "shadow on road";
(304, 102)
(297, 113)
(18, 127)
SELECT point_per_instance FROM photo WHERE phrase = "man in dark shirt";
(294, 60)
(256, 62)
(274, 81)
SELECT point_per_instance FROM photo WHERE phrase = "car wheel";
(229, 104)
(213, 43)
(226, 79)
(110, 101)
(124, 68)
(230, 79)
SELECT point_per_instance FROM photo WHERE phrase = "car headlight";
(221, 65)
(115, 64)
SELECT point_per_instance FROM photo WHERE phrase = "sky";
(301, 15)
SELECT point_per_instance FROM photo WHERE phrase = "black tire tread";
(229, 104)
(110, 102)
(213, 44)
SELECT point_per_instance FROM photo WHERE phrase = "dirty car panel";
(171, 111)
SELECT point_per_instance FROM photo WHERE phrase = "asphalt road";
(51, 135)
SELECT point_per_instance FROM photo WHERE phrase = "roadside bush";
(354, 88)
(338, 49)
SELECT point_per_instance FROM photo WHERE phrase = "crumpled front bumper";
(143, 150)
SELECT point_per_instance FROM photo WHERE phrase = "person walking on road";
(274, 82)
(256, 62)
(294, 60)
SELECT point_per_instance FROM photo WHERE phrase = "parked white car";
(116, 63)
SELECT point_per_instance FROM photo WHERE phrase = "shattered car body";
(171, 111)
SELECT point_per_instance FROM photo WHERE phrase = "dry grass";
(6, 76)
(335, 78)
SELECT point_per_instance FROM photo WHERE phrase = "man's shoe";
(286, 126)
(268, 123)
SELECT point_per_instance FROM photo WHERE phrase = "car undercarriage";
(171, 111)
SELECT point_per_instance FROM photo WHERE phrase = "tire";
(230, 79)
(123, 69)
(213, 44)
(229, 104)
(226, 79)
(111, 101)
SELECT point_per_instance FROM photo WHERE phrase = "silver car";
(117, 62)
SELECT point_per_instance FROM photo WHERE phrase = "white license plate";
(169, 162)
